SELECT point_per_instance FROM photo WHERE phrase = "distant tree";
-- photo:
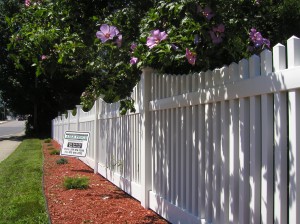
(31, 81)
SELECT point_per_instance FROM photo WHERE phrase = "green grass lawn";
(21, 195)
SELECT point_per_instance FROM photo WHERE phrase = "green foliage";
(55, 152)
(62, 161)
(125, 105)
(21, 196)
(57, 39)
(79, 182)
(48, 140)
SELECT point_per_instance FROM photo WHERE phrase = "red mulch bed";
(102, 202)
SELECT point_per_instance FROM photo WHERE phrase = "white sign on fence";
(75, 144)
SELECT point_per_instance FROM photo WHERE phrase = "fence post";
(96, 135)
(69, 119)
(78, 107)
(293, 46)
(145, 136)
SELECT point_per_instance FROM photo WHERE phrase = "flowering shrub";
(170, 36)
(185, 36)
(189, 35)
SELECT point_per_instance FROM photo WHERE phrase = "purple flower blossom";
(27, 3)
(133, 60)
(257, 39)
(107, 33)
(191, 56)
(156, 38)
(133, 46)
(217, 33)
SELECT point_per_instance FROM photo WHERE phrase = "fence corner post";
(145, 135)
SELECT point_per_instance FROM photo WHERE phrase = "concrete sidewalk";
(8, 145)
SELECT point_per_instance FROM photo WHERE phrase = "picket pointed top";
(279, 57)
(254, 66)
(224, 74)
(243, 69)
(266, 62)
(208, 79)
(293, 51)
(233, 72)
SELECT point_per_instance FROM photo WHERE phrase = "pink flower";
(107, 33)
(191, 56)
(156, 38)
(27, 3)
(133, 60)
(44, 57)
(133, 46)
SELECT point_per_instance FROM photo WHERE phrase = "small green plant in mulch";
(62, 161)
(51, 148)
(79, 182)
(55, 152)
(48, 140)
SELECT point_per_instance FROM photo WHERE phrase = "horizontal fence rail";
(219, 146)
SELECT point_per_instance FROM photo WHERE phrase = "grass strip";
(21, 194)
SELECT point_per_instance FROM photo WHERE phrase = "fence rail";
(220, 146)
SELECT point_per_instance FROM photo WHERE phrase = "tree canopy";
(60, 50)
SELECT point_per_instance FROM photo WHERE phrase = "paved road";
(11, 128)
(10, 137)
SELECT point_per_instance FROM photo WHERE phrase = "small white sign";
(75, 144)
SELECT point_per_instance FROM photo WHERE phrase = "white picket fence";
(220, 146)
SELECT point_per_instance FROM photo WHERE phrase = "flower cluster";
(216, 34)
(133, 60)
(258, 40)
